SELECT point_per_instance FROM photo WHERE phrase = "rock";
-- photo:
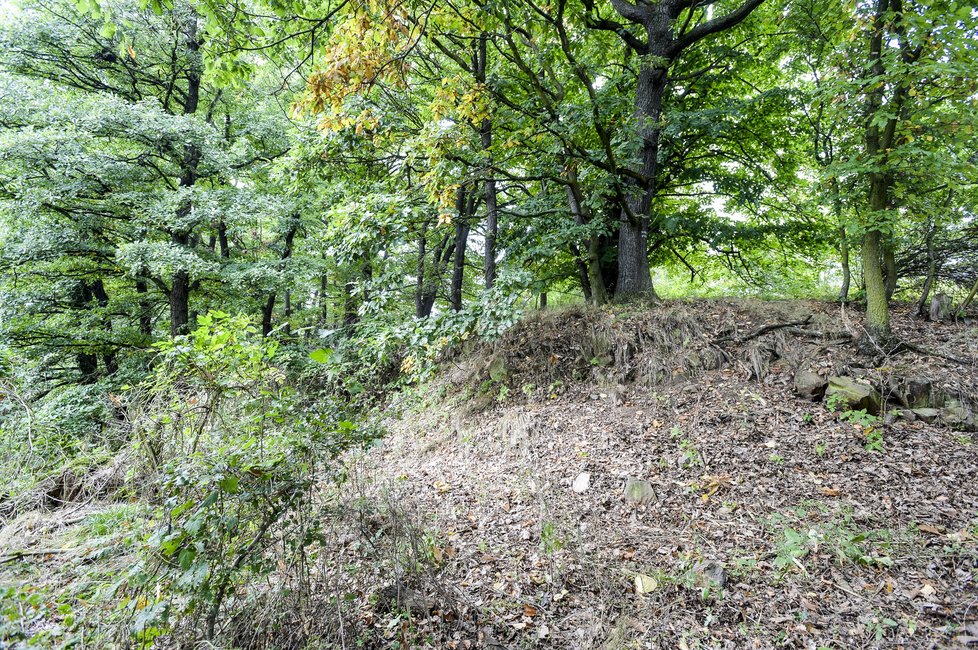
(582, 483)
(809, 385)
(638, 492)
(401, 597)
(854, 395)
(498, 370)
(927, 415)
(959, 416)
(917, 392)
(709, 574)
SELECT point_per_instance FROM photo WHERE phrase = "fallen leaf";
(932, 530)
(831, 492)
(529, 610)
(927, 591)
(645, 584)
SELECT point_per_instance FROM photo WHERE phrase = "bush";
(232, 457)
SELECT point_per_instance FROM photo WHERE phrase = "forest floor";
(637, 479)
(703, 508)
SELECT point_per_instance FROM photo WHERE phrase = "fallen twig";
(16, 555)
(761, 331)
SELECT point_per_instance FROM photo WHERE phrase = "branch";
(699, 32)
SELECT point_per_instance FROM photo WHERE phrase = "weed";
(820, 448)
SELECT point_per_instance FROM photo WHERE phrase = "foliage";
(237, 456)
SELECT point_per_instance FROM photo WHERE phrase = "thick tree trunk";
(877, 306)
(479, 67)
(634, 276)
(179, 299)
(222, 238)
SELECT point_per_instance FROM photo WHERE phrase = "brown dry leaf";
(831, 492)
(529, 610)
(931, 530)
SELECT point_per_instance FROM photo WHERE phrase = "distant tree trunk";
(179, 295)
(288, 312)
(489, 183)
(179, 298)
(597, 293)
(145, 308)
(222, 238)
(323, 298)
(266, 314)
(463, 206)
(419, 285)
(287, 245)
(543, 300)
(108, 352)
(922, 310)
(846, 271)
(971, 296)
(350, 316)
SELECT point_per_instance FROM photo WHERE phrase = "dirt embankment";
(653, 479)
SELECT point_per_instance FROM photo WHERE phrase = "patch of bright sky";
(8, 9)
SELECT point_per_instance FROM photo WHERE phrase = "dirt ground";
(582, 501)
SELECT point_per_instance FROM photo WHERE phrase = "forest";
(488, 324)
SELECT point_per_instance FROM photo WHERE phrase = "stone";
(927, 415)
(498, 370)
(639, 492)
(709, 574)
(582, 483)
(854, 395)
(809, 385)
(959, 416)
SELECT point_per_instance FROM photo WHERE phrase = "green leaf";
(322, 355)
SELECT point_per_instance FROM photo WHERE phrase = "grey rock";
(639, 492)
(854, 395)
(959, 416)
(927, 415)
(809, 385)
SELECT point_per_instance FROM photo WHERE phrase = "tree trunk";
(889, 264)
(846, 271)
(922, 310)
(419, 285)
(596, 292)
(179, 295)
(179, 298)
(222, 238)
(463, 207)
(458, 264)
(634, 276)
(479, 66)
(323, 298)
(877, 306)
(145, 308)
